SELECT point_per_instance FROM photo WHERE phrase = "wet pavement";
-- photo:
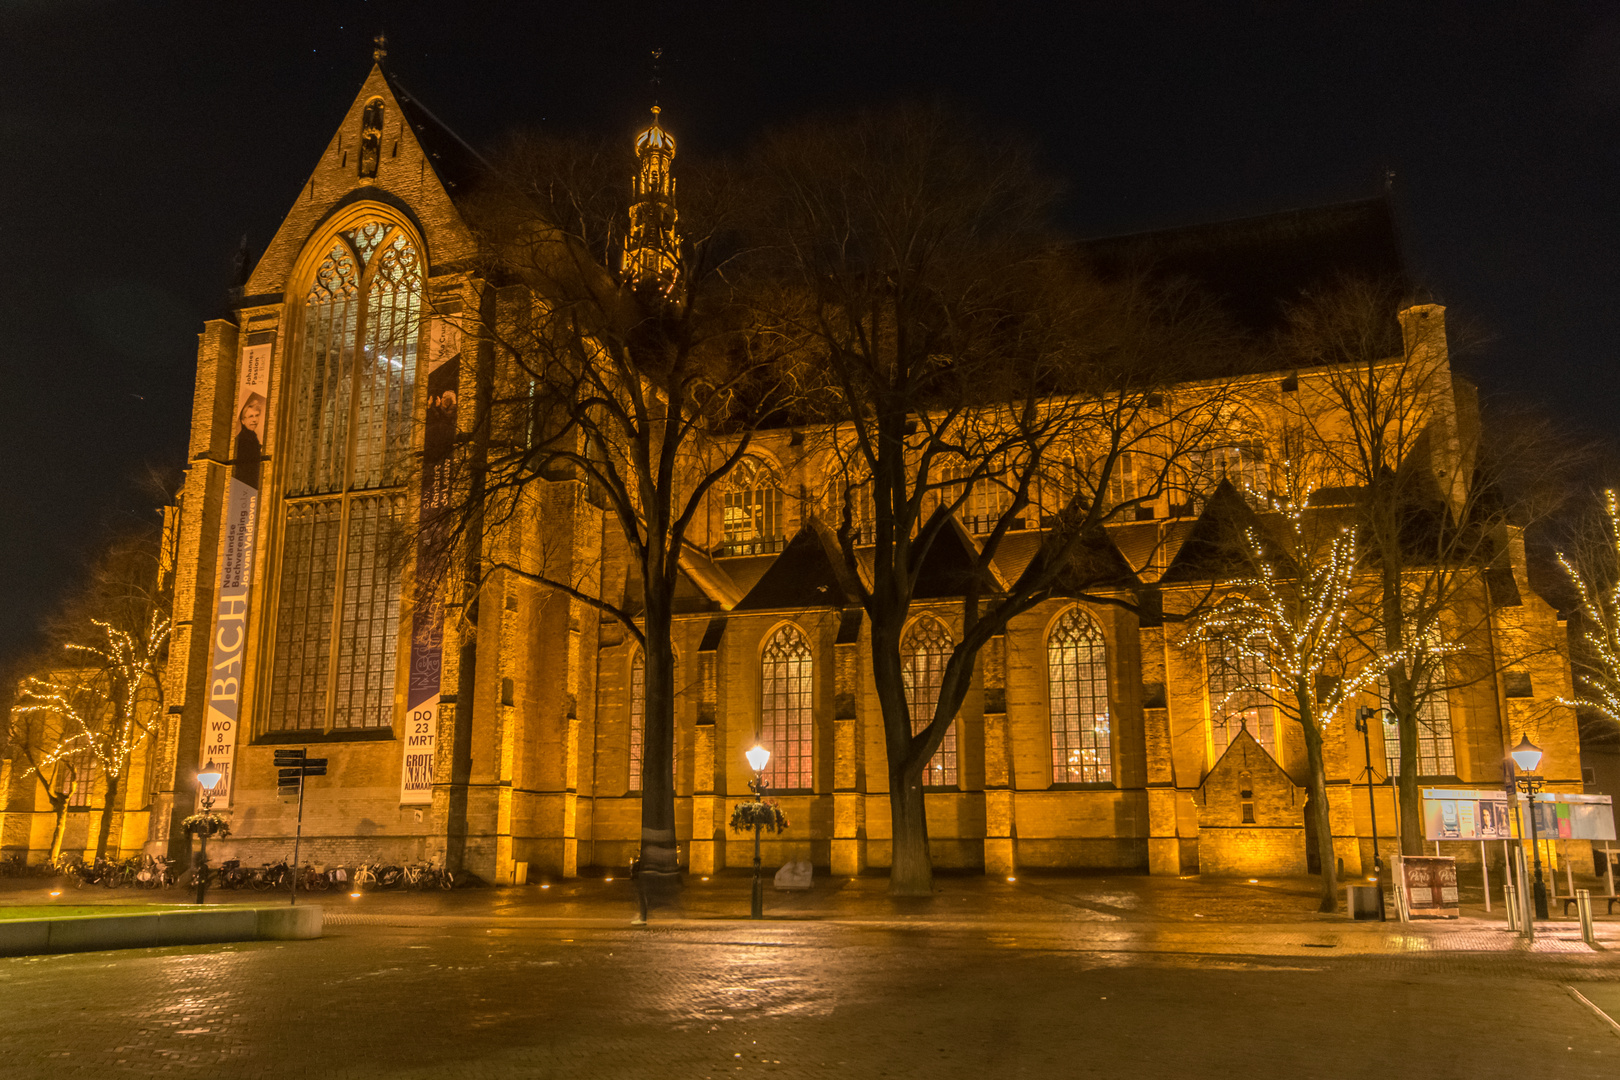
(793, 999)
(1038, 977)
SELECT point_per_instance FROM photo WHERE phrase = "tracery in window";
(337, 619)
(924, 652)
(1436, 754)
(987, 498)
(862, 514)
(1077, 677)
(1242, 462)
(1235, 700)
(751, 508)
(786, 718)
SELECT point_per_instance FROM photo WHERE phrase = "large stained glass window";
(1236, 701)
(751, 508)
(348, 452)
(1436, 755)
(923, 654)
(787, 722)
(1077, 675)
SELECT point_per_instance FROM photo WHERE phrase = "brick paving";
(788, 998)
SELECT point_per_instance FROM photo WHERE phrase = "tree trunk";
(658, 850)
(107, 811)
(1316, 788)
(1403, 700)
(911, 868)
(59, 833)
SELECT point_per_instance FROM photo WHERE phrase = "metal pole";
(298, 837)
(202, 854)
(1535, 851)
(1485, 874)
(757, 902)
(1363, 722)
(1608, 867)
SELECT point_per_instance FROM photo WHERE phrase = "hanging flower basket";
(210, 823)
(764, 814)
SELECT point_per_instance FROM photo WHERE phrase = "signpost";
(293, 766)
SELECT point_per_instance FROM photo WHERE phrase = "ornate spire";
(651, 244)
(379, 47)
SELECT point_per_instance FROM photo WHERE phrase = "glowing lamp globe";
(1527, 755)
(758, 758)
(209, 776)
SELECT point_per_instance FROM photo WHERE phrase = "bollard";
(1583, 907)
(1511, 902)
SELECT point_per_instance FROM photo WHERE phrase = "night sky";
(141, 141)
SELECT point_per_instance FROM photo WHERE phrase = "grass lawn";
(70, 911)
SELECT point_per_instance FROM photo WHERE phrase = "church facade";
(501, 731)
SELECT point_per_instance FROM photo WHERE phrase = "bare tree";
(38, 744)
(971, 370)
(625, 363)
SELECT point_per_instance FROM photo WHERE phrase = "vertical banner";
(236, 563)
(427, 613)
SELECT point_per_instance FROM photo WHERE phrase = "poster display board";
(1466, 814)
(238, 537)
(1574, 817)
(1430, 884)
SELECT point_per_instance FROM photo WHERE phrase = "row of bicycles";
(151, 872)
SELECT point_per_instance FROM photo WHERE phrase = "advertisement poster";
(236, 562)
(427, 615)
(1465, 814)
(1431, 886)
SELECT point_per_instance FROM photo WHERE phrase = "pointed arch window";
(371, 130)
(1077, 677)
(923, 654)
(638, 716)
(1436, 754)
(352, 389)
(787, 724)
(751, 508)
(855, 494)
(1236, 673)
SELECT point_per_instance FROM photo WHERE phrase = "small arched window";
(1237, 674)
(371, 131)
(1077, 677)
(752, 509)
(787, 723)
(923, 654)
(638, 723)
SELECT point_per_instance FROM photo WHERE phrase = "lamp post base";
(757, 907)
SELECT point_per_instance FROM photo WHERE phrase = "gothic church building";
(507, 738)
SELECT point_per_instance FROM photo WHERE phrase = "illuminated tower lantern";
(650, 246)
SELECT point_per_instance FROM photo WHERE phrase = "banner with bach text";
(229, 640)
(427, 610)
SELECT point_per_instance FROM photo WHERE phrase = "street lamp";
(208, 778)
(758, 757)
(1364, 718)
(1527, 756)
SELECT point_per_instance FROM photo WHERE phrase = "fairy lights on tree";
(103, 704)
(1596, 578)
(1289, 615)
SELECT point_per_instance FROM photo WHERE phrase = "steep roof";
(807, 574)
(1257, 266)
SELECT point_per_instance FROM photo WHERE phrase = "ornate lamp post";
(758, 758)
(1527, 756)
(208, 778)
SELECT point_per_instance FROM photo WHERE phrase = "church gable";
(377, 154)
